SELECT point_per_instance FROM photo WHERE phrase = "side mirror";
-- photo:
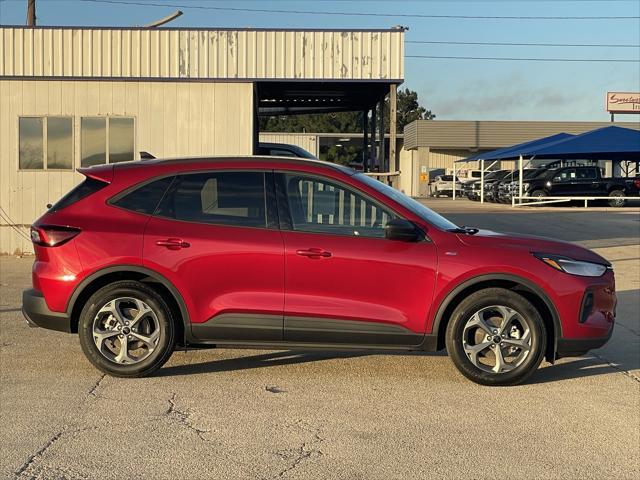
(401, 229)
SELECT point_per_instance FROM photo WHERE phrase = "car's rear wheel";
(126, 329)
(616, 198)
(496, 337)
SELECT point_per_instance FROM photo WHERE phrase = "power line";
(511, 44)
(363, 14)
(518, 59)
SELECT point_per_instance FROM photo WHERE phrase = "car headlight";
(573, 267)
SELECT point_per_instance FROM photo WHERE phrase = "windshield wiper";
(464, 230)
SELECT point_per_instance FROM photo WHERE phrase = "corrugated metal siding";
(490, 134)
(445, 158)
(188, 119)
(302, 140)
(202, 54)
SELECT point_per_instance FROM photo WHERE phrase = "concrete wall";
(171, 119)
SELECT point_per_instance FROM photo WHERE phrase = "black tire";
(616, 201)
(539, 194)
(487, 298)
(165, 327)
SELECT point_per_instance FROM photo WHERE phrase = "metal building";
(73, 97)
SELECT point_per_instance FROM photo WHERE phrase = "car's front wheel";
(126, 329)
(496, 337)
(616, 198)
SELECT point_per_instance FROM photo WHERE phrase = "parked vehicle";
(468, 175)
(442, 185)
(472, 189)
(509, 185)
(289, 253)
(581, 181)
(284, 150)
(490, 184)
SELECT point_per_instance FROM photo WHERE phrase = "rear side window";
(145, 198)
(86, 188)
(221, 198)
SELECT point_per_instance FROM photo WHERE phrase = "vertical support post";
(256, 120)
(373, 157)
(365, 140)
(453, 180)
(520, 180)
(382, 154)
(393, 127)
(481, 181)
(31, 13)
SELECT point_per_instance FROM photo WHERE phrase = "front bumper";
(574, 347)
(37, 313)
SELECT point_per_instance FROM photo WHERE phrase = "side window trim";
(284, 210)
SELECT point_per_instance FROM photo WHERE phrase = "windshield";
(409, 203)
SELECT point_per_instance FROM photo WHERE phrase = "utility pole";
(31, 13)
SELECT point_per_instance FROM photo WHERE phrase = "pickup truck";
(582, 181)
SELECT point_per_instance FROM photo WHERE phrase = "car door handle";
(173, 243)
(314, 253)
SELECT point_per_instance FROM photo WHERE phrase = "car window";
(321, 206)
(567, 175)
(587, 173)
(145, 198)
(222, 198)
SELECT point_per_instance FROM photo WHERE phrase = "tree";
(409, 109)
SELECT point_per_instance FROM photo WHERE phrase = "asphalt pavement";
(227, 413)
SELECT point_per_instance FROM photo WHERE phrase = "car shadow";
(279, 358)
(579, 367)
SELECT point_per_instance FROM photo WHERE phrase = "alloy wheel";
(126, 330)
(497, 339)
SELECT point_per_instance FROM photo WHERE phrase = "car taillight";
(51, 235)
(636, 182)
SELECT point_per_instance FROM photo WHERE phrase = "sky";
(453, 89)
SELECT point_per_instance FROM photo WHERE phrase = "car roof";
(259, 160)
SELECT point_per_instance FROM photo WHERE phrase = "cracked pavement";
(254, 414)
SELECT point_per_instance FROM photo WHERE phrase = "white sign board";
(623, 102)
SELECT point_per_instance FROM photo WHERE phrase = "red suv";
(144, 256)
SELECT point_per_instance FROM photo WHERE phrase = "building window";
(46, 143)
(106, 140)
(59, 143)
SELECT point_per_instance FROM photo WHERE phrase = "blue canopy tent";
(508, 153)
(608, 143)
(512, 151)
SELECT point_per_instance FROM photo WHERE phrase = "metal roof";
(202, 54)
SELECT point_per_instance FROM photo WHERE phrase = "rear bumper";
(37, 313)
(574, 347)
